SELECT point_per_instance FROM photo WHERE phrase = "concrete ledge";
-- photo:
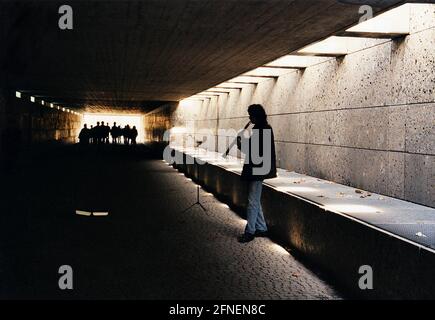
(334, 240)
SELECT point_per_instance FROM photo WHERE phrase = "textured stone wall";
(158, 121)
(37, 123)
(366, 120)
(55, 125)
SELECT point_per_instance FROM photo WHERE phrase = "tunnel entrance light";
(336, 46)
(120, 119)
(266, 72)
(390, 24)
(18, 94)
(297, 62)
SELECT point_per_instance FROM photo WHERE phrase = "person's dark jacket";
(247, 172)
(133, 133)
(84, 135)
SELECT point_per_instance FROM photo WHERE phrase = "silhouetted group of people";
(100, 133)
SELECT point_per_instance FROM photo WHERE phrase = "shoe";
(261, 234)
(246, 237)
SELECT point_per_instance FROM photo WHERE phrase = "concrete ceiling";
(138, 54)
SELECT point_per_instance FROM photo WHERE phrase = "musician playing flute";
(259, 164)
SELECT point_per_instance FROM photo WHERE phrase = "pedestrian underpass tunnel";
(348, 88)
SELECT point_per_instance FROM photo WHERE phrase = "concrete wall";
(158, 121)
(36, 123)
(366, 120)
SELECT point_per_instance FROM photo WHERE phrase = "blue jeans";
(255, 215)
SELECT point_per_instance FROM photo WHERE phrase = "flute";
(235, 140)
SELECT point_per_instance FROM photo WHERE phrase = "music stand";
(198, 187)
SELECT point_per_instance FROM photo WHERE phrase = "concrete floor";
(146, 248)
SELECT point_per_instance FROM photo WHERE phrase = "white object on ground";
(100, 214)
(83, 213)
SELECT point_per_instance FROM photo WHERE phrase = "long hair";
(257, 111)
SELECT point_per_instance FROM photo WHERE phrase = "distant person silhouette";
(114, 133)
(106, 133)
(126, 132)
(84, 135)
(91, 134)
(118, 134)
(97, 133)
(102, 132)
(133, 135)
